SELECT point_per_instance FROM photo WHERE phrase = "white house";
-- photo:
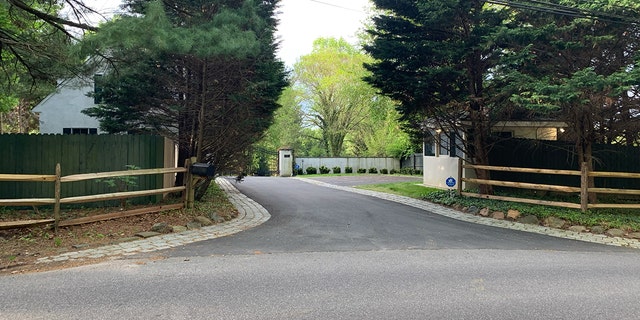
(442, 157)
(60, 112)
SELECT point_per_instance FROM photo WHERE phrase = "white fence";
(355, 163)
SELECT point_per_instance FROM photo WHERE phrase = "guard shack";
(285, 162)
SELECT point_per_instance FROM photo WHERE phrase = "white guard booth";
(285, 162)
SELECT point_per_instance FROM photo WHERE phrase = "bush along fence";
(583, 190)
(346, 165)
(57, 200)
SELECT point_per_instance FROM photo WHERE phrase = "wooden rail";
(57, 200)
(584, 190)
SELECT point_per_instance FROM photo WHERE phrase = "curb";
(251, 214)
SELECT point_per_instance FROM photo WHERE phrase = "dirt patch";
(21, 248)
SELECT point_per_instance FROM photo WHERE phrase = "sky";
(301, 22)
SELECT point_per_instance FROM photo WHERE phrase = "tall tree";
(203, 73)
(435, 58)
(33, 55)
(337, 99)
(583, 68)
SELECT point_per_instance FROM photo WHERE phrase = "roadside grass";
(625, 219)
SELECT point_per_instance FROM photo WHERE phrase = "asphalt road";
(328, 254)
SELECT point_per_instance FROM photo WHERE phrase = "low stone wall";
(355, 163)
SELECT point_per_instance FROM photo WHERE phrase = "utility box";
(285, 162)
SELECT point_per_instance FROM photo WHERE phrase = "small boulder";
(555, 222)
(161, 227)
(194, 225)
(634, 235)
(578, 229)
(204, 221)
(484, 212)
(613, 232)
(498, 215)
(216, 218)
(147, 234)
(598, 229)
(473, 210)
(529, 219)
(513, 214)
(178, 229)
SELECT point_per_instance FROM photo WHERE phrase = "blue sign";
(451, 182)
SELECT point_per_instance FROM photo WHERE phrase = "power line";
(336, 6)
(553, 8)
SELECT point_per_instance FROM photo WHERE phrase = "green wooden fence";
(38, 154)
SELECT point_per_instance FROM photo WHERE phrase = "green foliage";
(348, 170)
(122, 183)
(324, 170)
(384, 171)
(362, 170)
(393, 171)
(311, 170)
(373, 170)
(336, 170)
(208, 79)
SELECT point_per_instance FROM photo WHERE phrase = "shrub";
(348, 170)
(408, 171)
(311, 170)
(324, 170)
(362, 170)
(384, 171)
(418, 171)
(393, 171)
(373, 170)
(299, 171)
(336, 169)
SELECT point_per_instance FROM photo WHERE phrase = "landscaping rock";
(498, 215)
(513, 214)
(615, 232)
(204, 221)
(147, 234)
(194, 225)
(634, 235)
(484, 212)
(598, 230)
(128, 239)
(578, 228)
(217, 219)
(161, 228)
(473, 210)
(178, 229)
(457, 206)
(530, 219)
(554, 222)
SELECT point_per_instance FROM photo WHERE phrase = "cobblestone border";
(454, 214)
(251, 214)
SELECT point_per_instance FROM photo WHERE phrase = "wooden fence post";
(584, 187)
(459, 186)
(56, 205)
(190, 192)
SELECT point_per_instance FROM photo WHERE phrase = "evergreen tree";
(201, 72)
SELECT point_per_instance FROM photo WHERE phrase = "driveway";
(331, 254)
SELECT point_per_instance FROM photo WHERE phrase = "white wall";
(355, 163)
(62, 109)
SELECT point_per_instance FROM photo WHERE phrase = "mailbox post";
(196, 172)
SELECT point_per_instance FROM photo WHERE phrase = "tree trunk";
(480, 154)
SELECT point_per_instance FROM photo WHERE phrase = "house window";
(429, 145)
(80, 131)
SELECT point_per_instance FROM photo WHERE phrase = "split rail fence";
(57, 200)
(583, 190)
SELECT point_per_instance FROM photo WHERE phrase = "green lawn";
(625, 219)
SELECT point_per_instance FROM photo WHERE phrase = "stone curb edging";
(454, 214)
(251, 214)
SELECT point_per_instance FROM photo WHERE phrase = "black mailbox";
(203, 170)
